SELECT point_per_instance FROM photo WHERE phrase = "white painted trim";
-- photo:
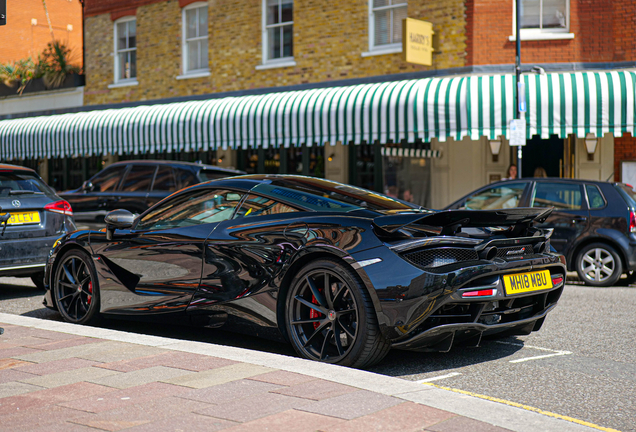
(530, 36)
(533, 32)
(126, 83)
(116, 57)
(184, 52)
(195, 74)
(277, 64)
(372, 47)
(387, 49)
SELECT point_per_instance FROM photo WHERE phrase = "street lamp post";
(518, 77)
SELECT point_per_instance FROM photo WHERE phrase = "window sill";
(383, 50)
(123, 84)
(274, 65)
(542, 36)
(197, 74)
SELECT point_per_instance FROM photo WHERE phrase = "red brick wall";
(624, 150)
(20, 39)
(97, 7)
(603, 32)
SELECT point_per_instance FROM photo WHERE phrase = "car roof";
(178, 163)
(553, 179)
(9, 167)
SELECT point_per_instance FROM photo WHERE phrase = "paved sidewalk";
(61, 377)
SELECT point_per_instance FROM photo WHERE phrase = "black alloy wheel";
(75, 288)
(330, 317)
(598, 264)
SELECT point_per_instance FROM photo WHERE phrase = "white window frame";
(278, 62)
(122, 82)
(386, 48)
(194, 73)
(540, 33)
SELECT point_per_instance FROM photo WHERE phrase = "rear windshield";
(13, 184)
(627, 193)
(206, 175)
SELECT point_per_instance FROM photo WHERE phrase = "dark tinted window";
(108, 179)
(561, 196)
(185, 178)
(497, 197)
(198, 207)
(256, 205)
(165, 179)
(627, 193)
(139, 178)
(205, 175)
(594, 197)
(21, 184)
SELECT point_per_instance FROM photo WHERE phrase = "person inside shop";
(540, 172)
(511, 173)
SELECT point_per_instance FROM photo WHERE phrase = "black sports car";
(344, 273)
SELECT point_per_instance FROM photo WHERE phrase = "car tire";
(342, 327)
(76, 289)
(598, 264)
(38, 280)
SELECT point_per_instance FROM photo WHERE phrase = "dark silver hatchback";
(32, 218)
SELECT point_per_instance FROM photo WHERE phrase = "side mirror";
(118, 219)
(87, 186)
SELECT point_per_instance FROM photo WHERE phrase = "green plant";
(56, 63)
(19, 72)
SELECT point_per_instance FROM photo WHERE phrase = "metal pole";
(518, 76)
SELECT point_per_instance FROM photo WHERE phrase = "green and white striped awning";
(473, 106)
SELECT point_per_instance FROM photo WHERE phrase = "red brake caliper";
(90, 290)
(314, 313)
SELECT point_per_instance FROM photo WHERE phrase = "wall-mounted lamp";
(590, 145)
(220, 159)
(331, 156)
(495, 147)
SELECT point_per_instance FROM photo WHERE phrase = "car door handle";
(579, 219)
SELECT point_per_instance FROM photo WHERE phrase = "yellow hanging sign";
(417, 41)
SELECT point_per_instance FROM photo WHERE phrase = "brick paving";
(52, 381)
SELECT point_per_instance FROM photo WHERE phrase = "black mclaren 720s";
(345, 274)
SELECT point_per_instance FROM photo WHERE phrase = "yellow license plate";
(24, 218)
(526, 282)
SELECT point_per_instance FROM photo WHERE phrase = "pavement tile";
(232, 391)
(115, 399)
(29, 341)
(70, 392)
(16, 351)
(7, 363)
(9, 375)
(353, 405)
(104, 352)
(289, 421)
(123, 380)
(13, 332)
(282, 377)
(405, 417)
(139, 414)
(38, 418)
(190, 422)
(66, 343)
(316, 390)
(16, 388)
(218, 376)
(55, 366)
(267, 404)
(19, 404)
(88, 374)
(188, 361)
(462, 424)
(64, 427)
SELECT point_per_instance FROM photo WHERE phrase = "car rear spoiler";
(449, 222)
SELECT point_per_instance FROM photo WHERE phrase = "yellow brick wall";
(329, 38)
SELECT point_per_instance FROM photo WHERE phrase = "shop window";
(195, 38)
(126, 50)
(385, 23)
(543, 19)
(278, 29)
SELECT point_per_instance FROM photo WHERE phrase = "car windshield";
(13, 183)
(326, 195)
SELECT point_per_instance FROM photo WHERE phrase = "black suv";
(32, 218)
(137, 185)
(594, 222)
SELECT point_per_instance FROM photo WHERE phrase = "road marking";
(526, 407)
(437, 378)
(554, 352)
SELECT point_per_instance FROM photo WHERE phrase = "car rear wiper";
(25, 192)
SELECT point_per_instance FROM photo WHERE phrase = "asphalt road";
(581, 364)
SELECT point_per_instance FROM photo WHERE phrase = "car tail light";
(61, 207)
(480, 293)
(556, 280)
(632, 221)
